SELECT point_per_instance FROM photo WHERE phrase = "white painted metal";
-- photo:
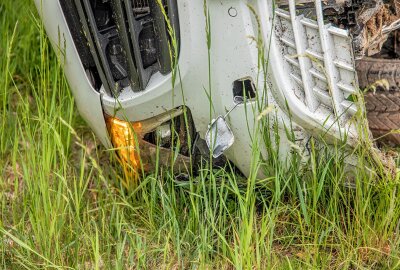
(304, 64)
(323, 54)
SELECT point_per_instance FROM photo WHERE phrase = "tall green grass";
(63, 205)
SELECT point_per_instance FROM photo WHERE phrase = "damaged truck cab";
(151, 75)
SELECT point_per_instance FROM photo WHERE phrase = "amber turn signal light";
(125, 139)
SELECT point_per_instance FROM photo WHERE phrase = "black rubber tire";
(383, 105)
(383, 112)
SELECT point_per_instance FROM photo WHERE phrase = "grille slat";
(104, 76)
(140, 7)
(135, 28)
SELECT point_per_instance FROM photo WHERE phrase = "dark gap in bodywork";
(244, 88)
(175, 133)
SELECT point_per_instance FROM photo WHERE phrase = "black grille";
(128, 40)
(141, 8)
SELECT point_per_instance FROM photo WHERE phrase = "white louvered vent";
(319, 60)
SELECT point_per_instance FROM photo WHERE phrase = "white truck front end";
(282, 61)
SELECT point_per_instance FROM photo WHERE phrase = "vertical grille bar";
(93, 48)
(123, 31)
(164, 28)
(135, 29)
(304, 62)
(161, 31)
(328, 61)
